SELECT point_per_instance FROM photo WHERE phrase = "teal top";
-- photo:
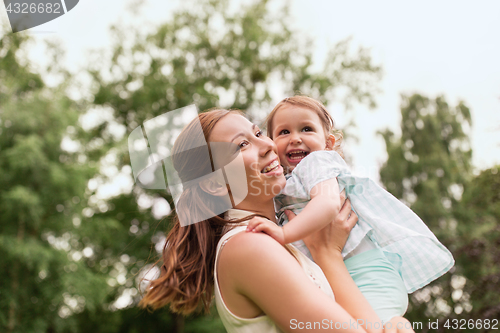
(405, 239)
(380, 283)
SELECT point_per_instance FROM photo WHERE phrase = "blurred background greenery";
(76, 235)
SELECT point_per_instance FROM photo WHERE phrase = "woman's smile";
(272, 168)
(260, 155)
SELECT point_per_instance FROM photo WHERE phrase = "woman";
(260, 285)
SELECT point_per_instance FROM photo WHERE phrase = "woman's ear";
(330, 142)
(213, 187)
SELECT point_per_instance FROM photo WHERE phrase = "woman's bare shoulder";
(254, 249)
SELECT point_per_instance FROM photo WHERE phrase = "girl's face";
(297, 132)
(264, 173)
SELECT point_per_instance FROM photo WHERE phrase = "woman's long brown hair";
(186, 280)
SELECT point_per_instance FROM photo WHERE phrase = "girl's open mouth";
(296, 155)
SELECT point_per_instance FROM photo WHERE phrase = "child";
(390, 252)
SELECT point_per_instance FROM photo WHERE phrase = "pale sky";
(430, 47)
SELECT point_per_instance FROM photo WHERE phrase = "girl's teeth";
(297, 155)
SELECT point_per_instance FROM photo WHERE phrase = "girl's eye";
(284, 132)
(243, 144)
(259, 133)
(307, 129)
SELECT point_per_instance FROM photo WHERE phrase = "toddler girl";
(390, 252)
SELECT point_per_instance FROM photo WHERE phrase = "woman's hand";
(332, 238)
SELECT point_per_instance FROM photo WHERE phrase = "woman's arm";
(256, 267)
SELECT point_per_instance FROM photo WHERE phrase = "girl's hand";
(259, 224)
(331, 239)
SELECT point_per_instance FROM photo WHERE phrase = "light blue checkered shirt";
(405, 239)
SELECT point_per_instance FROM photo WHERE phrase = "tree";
(478, 255)
(429, 168)
(42, 186)
(429, 164)
(209, 56)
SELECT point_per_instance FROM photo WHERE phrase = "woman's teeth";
(297, 155)
(271, 167)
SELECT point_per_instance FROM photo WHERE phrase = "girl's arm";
(323, 207)
(318, 213)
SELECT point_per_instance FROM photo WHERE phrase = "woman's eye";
(243, 144)
(307, 129)
(259, 133)
(283, 132)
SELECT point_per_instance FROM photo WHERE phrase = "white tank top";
(261, 324)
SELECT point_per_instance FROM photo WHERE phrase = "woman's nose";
(267, 145)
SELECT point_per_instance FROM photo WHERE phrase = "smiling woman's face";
(262, 166)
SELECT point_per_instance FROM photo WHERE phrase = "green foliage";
(429, 168)
(206, 52)
(431, 161)
(478, 233)
(40, 187)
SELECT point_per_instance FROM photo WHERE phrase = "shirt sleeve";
(317, 167)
